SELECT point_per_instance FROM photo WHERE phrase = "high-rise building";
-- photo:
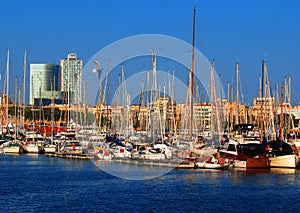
(70, 78)
(42, 76)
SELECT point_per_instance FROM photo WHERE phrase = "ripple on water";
(42, 184)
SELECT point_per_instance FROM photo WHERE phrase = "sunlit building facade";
(70, 78)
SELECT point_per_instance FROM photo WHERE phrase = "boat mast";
(212, 96)
(85, 106)
(154, 77)
(24, 86)
(153, 94)
(192, 78)
(16, 121)
(33, 114)
(7, 85)
(281, 112)
(107, 94)
(52, 109)
(147, 104)
(237, 93)
(174, 118)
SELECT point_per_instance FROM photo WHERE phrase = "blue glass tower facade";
(42, 76)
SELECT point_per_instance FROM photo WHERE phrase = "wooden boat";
(282, 154)
(13, 147)
(258, 162)
(284, 161)
(251, 155)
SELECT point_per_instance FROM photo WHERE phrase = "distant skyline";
(244, 31)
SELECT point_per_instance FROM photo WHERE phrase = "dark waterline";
(43, 184)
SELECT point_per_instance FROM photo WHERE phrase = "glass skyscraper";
(70, 78)
(41, 78)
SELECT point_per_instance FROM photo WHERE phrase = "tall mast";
(237, 93)
(281, 112)
(289, 89)
(52, 109)
(153, 76)
(7, 85)
(85, 106)
(285, 90)
(107, 94)
(220, 108)
(16, 121)
(174, 118)
(24, 86)
(192, 78)
(147, 102)
(212, 97)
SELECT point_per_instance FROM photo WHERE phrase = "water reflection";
(257, 171)
(283, 171)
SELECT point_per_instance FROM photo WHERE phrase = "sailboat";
(244, 148)
(13, 146)
(212, 161)
(34, 141)
(204, 157)
(184, 155)
(280, 153)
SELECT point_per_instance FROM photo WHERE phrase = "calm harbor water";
(31, 183)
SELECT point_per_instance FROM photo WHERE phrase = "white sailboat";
(34, 142)
(282, 154)
(14, 146)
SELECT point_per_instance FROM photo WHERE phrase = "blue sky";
(247, 31)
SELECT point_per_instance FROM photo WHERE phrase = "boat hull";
(209, 165)
(33, 148)
(240, 164)
(186, 165)
(13, 149)
(257, 162)
(50, 149)
(284, 161)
